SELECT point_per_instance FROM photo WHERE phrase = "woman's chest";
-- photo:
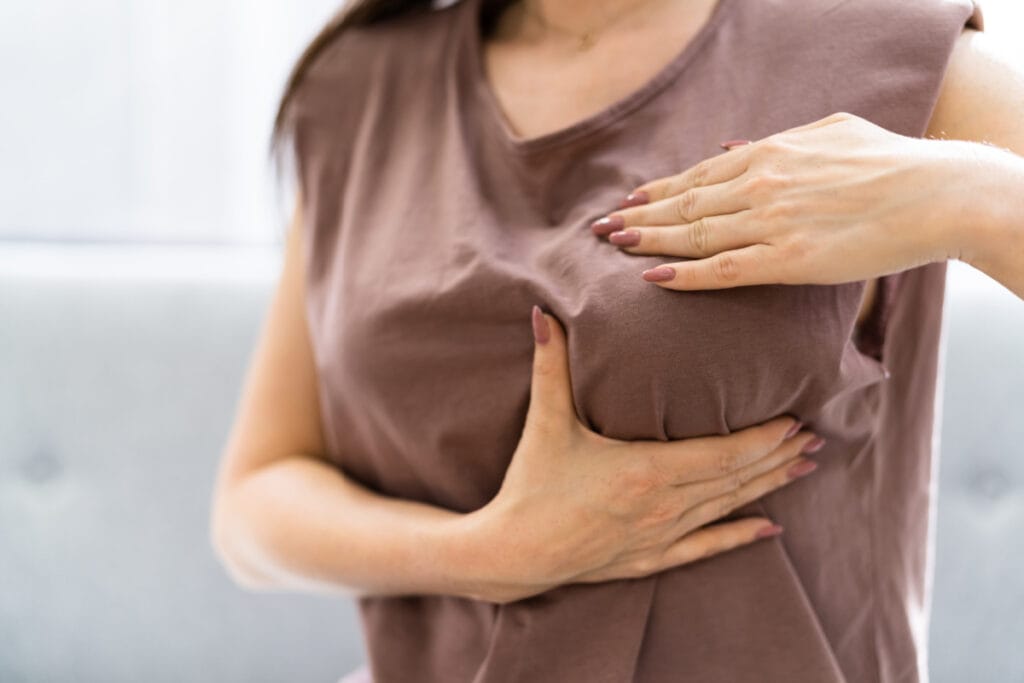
(429, 303)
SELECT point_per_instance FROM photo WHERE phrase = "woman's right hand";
(576, 506)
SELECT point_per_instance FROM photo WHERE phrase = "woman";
(515, 504)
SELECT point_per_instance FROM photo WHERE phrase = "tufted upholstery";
(121, 368)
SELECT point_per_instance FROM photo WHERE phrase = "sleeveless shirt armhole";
(977, 18)
(320, 126)
(294, 166)
(870, 335)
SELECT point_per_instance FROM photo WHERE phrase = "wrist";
(469, 554)
(984, 224)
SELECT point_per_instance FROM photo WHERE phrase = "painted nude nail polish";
(729, 144)
(634, 199)
(794, 430)
(625, 238)
(801, 469)
(659, 274)
(768, 531)
(608, 224)
(814, 445)
(541, 331)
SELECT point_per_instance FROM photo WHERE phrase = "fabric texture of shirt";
(430, 231)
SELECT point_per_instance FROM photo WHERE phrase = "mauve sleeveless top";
(430, 231)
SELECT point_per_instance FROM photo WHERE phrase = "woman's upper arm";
(982, 94)
(278, 412)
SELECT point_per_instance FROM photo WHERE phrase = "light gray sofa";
(120, 370)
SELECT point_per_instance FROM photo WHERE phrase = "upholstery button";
(41, 467)
(989, 483)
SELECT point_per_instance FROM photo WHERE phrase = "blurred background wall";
(139, 241)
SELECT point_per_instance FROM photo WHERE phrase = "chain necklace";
(588, 38)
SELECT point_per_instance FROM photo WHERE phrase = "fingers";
(696, 545)
(805, 442)
(684, 207)
(689, 460)
(550, 389)
(756, 264)
(718, 507)
(717, 169)
(711, 171)
(702, 238)
(717, 538)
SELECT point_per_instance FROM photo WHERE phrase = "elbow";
(223, 537)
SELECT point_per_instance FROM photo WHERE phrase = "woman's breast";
(427, 355)
(649, 362)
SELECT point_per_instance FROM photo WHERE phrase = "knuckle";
(639, 479)
(779, 180)
(753, 186)
(660, 513)
(769, 147)
(725, 268)
(728, 501)
(699, 237)
(728, 459)
(700, 173)
(840, 116)
(776, 210)
(763, 183)
(798, 247)
(685, 205)
(544, 367)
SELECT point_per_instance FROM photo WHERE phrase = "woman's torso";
(433, 229)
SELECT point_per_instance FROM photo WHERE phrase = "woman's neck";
(577, 16)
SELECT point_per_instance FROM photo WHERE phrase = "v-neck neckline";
(499, 122)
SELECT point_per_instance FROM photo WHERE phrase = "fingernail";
(659, 274)
(634, 199)
(802, 468)
(814, 445)
(603, 226)
(541, 331)
(797, 426)
(625, 238)
(770, 530)
(729, 144)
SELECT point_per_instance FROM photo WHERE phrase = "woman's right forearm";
(300, 524)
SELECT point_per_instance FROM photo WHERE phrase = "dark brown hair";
(357, 13)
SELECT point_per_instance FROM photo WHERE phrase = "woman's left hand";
(836, 200)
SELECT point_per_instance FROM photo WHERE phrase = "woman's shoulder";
(861, 22)
(883, 60)
(816, 9)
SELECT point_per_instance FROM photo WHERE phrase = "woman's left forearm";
(988, 229)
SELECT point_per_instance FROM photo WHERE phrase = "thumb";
(550, 392)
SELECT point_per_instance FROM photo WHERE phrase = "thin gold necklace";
(588, 38)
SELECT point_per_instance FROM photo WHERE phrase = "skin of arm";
(842, 199)
(574, 506)
(983, 100)
(294, 522)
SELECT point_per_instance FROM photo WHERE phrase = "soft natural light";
(144, 120)
(148, 120)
